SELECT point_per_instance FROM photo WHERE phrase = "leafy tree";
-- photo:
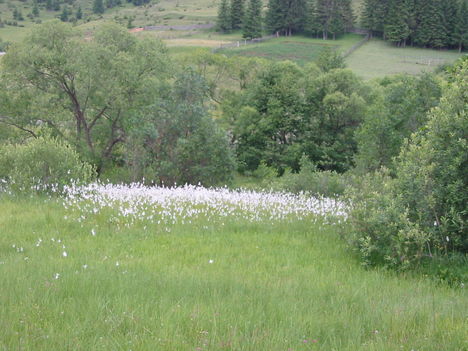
(270, 119)
(224, 19)
(329, 59)
(253, 20)
(335, 104)
(421, 213)
(432, 168)
(237, 13)
(400, 109)
(98, 7)
(176, 141)
(84, 91)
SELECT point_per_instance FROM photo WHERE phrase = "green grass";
(298, 49)
(269, 288)
(378, 58)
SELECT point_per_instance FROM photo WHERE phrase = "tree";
(373, 15)
(400, 109)
(334, 16)
(79, 13)
(85, 91)
(431, 169)
(176, 141)
(64, 14)
(396, 26)
(329, 59)
(253, 20)
(224, 19)
(98, 7)
(237, 14)
(35, 10)
(269, 119)
(311, 25)
(460, 35)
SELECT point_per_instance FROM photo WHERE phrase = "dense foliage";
(428, 23)
(92, 94)
(42, 164)
(421, 212)
(321, 17)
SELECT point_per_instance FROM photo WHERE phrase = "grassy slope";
(269, 288)
(378, 58)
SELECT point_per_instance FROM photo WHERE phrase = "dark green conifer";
(237, 13)
(98, 7)
(224, 18)
(253, 20)
(64, 14)
(460, 33)
(79, 13)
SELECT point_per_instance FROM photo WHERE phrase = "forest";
(425, 23)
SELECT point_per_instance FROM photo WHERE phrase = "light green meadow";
(238, 286)
(377, 58)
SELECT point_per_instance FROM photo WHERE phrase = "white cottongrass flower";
(166, 207)
(57, 275)
(64, 254)
(211, 261)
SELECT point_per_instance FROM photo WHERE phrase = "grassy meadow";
(235, 285)
(298, 48)
(377, 58)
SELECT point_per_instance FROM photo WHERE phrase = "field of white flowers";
(166, 206)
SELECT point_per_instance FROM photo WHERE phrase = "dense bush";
(310, 180)
(42, 164)
(422, 212)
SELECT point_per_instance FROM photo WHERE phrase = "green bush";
(422, 212)
(42, 165)
(309, 179)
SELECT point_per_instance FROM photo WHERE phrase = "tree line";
(426, 23)
(325, 18)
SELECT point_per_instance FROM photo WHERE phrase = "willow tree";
(84, 90)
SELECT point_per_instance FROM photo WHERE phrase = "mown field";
(77, 281)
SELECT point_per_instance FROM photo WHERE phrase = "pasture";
(220, 271)
(297, 48)
(377, 58)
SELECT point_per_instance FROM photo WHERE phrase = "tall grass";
(236, 285)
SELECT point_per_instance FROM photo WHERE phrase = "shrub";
(422, 212)
(309, 179)
(43, 165)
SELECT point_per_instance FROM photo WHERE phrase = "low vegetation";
(230, 284)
